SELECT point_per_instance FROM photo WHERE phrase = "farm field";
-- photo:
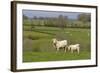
(37, 43)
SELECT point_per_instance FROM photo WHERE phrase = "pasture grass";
(37, 43)
(53, 56)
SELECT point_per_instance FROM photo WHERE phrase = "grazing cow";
(74, 47)
(60, 44)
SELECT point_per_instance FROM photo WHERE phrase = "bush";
(32, 37)
(37, 49)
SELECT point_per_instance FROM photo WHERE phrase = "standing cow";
(74, 47)
(60, 44)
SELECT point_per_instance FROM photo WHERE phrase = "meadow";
(37, 43)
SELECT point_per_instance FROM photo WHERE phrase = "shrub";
(37, 49)
(32, 37)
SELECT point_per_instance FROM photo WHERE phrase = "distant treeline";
(83, 21)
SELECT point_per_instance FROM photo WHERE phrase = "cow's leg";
(69, 48)
(72, 50)
(78, 50)
(57, 49)
(65, 48)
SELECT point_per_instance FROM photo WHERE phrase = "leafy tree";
(32, 23)
(25, 17)
(84, 17)
(35, 17)
(62, 21)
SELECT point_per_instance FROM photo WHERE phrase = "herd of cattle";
(63, 44)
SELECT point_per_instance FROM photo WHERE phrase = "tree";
(62, 21)
(25, 17)
(32, 23)
(35, 17)
(25, 20)
(85, 17)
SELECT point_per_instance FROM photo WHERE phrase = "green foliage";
(78, 24)
(55, 23)
(84, 17)
(31, 37)
(25, 17)
(62, 21)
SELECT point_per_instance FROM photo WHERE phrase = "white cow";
(74, 47)
(60, 44)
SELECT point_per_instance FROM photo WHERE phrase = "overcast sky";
(32, 13)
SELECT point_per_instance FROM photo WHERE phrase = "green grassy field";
(52, 56)
(37, 43)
